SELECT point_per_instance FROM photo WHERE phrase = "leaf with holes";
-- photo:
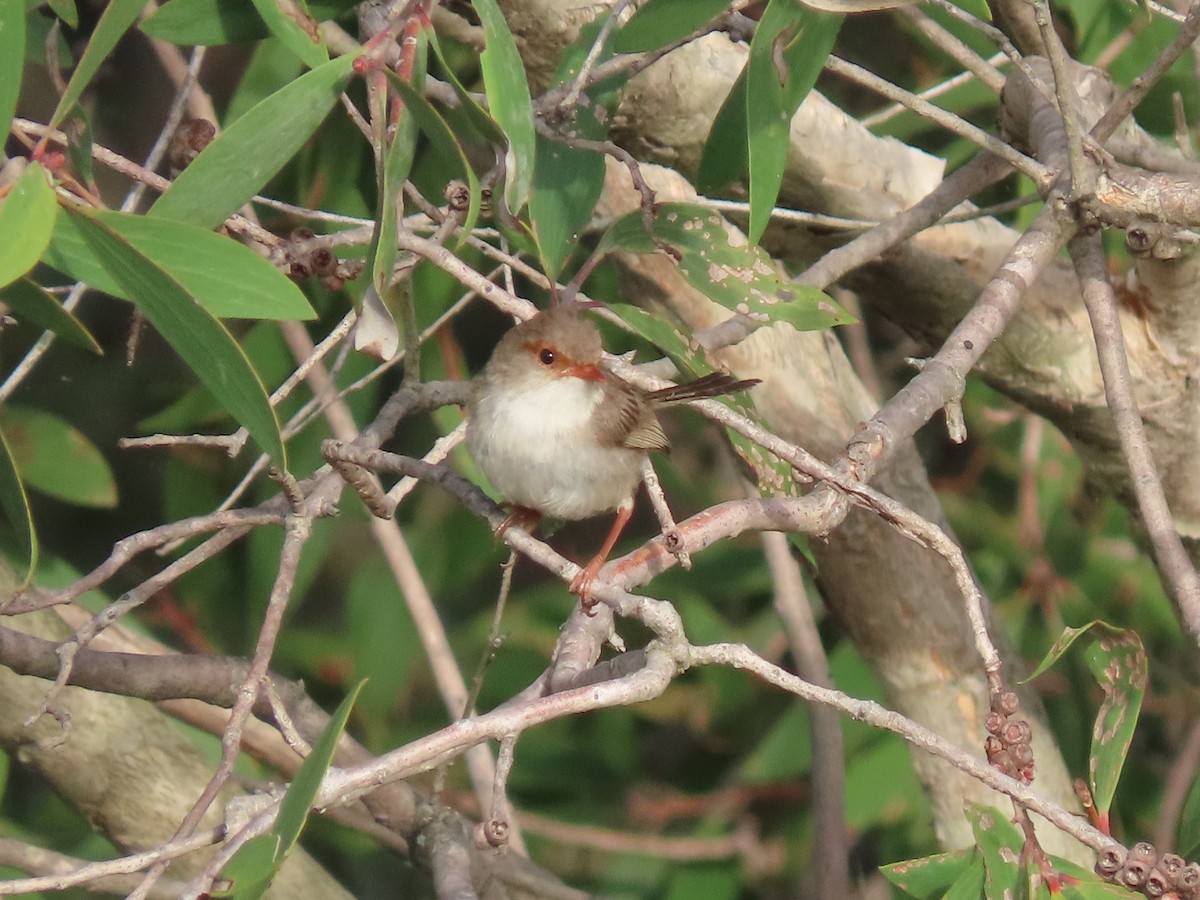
(930, 877)
(1000, 845)
(742, 279)
(1118, 661)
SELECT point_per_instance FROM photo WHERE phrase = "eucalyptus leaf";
(32, 304)
(15, 503)
(740, 278)
(117, 18)
(291, 22)
(243, 158)
(196, 336)
(661, 22)
(27, 216)
(509, 100)
(12, 55)
(56, 458)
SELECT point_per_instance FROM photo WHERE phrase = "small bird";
(559, 435)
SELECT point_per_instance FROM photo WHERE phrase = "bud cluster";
(1008, 744)
(1155, 875)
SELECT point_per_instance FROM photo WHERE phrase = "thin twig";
(1180, 576)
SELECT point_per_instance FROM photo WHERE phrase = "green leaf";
(250, 871)
(661, 22)
(1117, 660)
(968, 885)
(197, 337)
(293, 810)
(227, 278)
(65, 10)
(396, 166)
(290, 21)
(12, 55)
(116, 19)
(55, 458)
(742, 279)
(1000, 845)
(789, 48)
(567, 181)
(725, 158)
(244, 157)
(444, 144)
(15, 503)
(26, 220)
(508, 97)
(1188, 831)
(930, 877)
(254, 866)
(209, 23)
(29, 302)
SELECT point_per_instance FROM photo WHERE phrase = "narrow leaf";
(725, 158)
(930, 877)
(290, 21)
(508, 97)
(567, 181)
(227, 278)
(213, 22)
(444, 143)
(1118, 661)
(57, 459)
(15, 503)
(197, 337)
(742, 279)
(30, 303)
(244, 157)
(296, 803)
(65, 10)
(26, 222)
(789, 48)
(1188, 831)
(250, 872)
(116, 19)
(661, 22)
(1000, 845)
(12, 55)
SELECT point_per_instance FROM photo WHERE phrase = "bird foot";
(581, 585)
(523, 517)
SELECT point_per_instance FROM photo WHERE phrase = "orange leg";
(582, 583)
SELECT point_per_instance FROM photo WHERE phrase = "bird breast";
(538, 446)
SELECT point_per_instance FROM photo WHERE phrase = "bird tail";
(714, 385)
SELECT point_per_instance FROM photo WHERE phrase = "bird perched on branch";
(559, 435)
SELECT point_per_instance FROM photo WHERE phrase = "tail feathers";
(714, 385)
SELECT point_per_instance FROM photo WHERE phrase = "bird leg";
(523, 517)
(581, 584)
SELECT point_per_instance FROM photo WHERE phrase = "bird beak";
(588, 371)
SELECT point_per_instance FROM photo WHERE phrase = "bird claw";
(523, 517)
(581, 585)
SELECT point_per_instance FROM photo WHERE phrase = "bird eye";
(546, 356)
